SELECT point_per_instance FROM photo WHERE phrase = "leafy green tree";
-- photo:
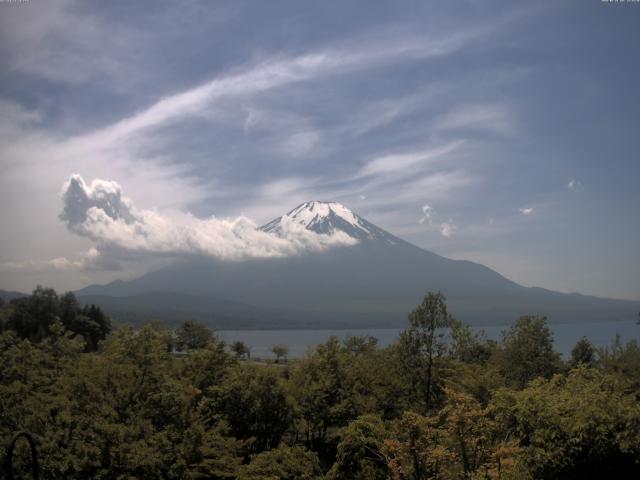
(477, 380)
(121, 405)
(241, 349)
(28, 372)
(359, 455)
(415, 449)
(191, 335)
(125, 413)
(472, 440)
(334, 385)
(255, 404)
(320, 388)
(280, 351)
(69, 308)
(95, 329)
(31, 317)
(3, 314)
(462, 441)
(527, 352)
(209, 453)
(360, 344)
(585, 425)
(469, 346)
(206, 367)
(423, 345)
(282, 463)
(583, 353)
(623, 360)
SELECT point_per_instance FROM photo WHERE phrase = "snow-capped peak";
(314, 212)
(327, 218)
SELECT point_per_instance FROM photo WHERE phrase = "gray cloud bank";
(100, 212)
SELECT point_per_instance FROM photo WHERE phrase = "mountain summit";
(327, 218)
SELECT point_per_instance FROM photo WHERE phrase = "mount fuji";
(373, 283)
(329, 217)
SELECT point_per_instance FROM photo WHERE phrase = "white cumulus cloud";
(526, 211)
(427, 214)
(447, 229)
(100, 212)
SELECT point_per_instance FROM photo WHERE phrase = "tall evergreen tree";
(424, 340)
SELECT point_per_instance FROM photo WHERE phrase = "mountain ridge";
(380, 277)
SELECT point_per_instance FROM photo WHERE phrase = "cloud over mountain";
(100, 212)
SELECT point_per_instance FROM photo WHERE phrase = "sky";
(135, 133)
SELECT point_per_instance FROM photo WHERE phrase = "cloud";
(300, 143)
(447, 229)
(378, 114)
(427, 215)
(401, 163)
(251, 119)
(80, 199)
(88, 260)
(144, 137)
(526, 211)
(494, 118)
(574, 185)
(101, 213)
(285, 187)
(38, 41)
(280, 72)
(143, 149)
(15, 115)
(381, 186)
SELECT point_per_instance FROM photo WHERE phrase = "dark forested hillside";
(6, 295)
(172, 308)
(440, 403)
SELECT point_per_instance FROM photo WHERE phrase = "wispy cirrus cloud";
(301, 143)
(402, 164)
(128, 149)
(494, 117)
(276, 73)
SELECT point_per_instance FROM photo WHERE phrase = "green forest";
(442, 402)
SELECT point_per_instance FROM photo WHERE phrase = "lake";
(300, 341)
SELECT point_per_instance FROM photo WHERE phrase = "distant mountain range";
(7, 295)
(374, 283)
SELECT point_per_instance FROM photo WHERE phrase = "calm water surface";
(300, 341)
